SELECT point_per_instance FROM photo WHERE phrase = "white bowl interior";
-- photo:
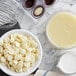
(32, 69)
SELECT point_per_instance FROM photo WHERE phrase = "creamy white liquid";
(68, 63)
(61, 29)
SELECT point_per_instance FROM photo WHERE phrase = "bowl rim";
(50, 40)
(31, 70)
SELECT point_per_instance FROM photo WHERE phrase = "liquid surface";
(68, 63)
(61, 29)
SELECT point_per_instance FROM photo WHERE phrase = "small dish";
(67, 62)
(49, 37)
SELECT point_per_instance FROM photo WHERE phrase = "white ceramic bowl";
(49, 38)
(32, 69)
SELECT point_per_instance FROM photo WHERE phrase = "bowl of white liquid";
(61, 30)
